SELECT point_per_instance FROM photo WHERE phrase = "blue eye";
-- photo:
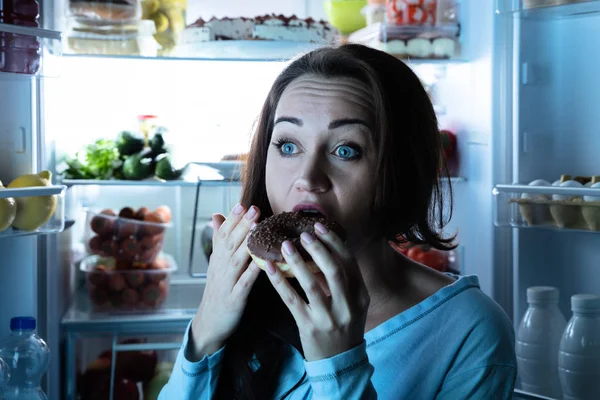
(346, 152)
(288, 148)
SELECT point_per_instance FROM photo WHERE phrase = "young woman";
(348, 131)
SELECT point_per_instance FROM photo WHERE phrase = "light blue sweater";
(456, 344)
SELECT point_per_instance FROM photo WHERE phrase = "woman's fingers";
(242, 288)
(310, 285)
(333, 270)
(235, 216)
(240, 231)
(288, 294)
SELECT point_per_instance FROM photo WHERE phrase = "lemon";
(8, 211)
(33, 211)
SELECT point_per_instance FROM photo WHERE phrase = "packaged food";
(20, 53)
(422, 12)
(131, 236)
(115, 285)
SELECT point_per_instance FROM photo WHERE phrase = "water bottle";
(4, 377)
(579, 355)
(537, 342)
(27, 356)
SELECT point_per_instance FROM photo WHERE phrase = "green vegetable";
(138, 166)
(129, 143)
(97, 161)
(164, 169)
(157, 144)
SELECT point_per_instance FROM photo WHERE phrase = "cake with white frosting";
(280, 27)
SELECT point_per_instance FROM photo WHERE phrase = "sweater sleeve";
(488, 382)
(193, 380)
(344, 376)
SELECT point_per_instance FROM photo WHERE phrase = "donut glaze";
(266, 238)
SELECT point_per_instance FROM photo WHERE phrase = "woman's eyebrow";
(291, 120)
(348, 121)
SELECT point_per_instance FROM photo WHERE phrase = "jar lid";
(585, 302)
(543, 294)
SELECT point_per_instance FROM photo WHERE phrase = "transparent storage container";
(525, 206)
(128, 240)
(412, 41)
(105, 12)
(121, 40)
(117, 286)
(37, 210)
(30, 51)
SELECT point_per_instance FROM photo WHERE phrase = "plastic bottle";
(537, 342)
(579, 354)
(4, 377)
(27, 356)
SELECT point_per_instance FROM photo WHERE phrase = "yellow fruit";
(33, 211)
(8, 211)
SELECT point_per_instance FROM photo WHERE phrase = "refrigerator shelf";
(547, 207)
(178, 183)
(28, 51)
(547, 9)
(173, 316)
(57, 221)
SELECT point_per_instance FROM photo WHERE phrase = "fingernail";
(251, 213)
(237, 210)
(306, 237)
(288, 248)
(322, 229)
(270, 268)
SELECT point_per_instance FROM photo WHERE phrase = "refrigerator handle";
(193, 236)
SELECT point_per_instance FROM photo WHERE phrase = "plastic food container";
(127, 240)
(116, 286)
(105, 12)
(133, 40)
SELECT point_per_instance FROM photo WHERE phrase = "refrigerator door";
(547, 80)
(28, 271)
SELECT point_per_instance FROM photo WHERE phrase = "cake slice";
(280, 27)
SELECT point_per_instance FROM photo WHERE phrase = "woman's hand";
(230, 277)
(327, 325)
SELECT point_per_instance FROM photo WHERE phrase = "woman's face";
(322, 154)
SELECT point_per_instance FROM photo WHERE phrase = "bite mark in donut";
(264, 242)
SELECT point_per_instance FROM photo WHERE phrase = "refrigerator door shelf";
(547, 9)
(547, 207)
(57, 220)
(30, 51)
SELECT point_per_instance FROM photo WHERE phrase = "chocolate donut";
(264, 242)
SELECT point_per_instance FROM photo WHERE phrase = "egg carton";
(573, 213)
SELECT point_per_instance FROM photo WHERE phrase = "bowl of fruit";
(117, 285)
(132, 236)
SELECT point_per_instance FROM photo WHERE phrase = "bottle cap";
(585, 302)
(22, 323)
(542, 294)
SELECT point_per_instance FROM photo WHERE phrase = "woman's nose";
(312, 177)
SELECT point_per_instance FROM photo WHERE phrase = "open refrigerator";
(521, 98)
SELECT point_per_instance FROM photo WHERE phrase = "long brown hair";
(408, 199)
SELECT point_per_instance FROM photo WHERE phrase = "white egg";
(572, 184)
(589, 184)
(556, 183)
(537, 182)
(593, 198)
